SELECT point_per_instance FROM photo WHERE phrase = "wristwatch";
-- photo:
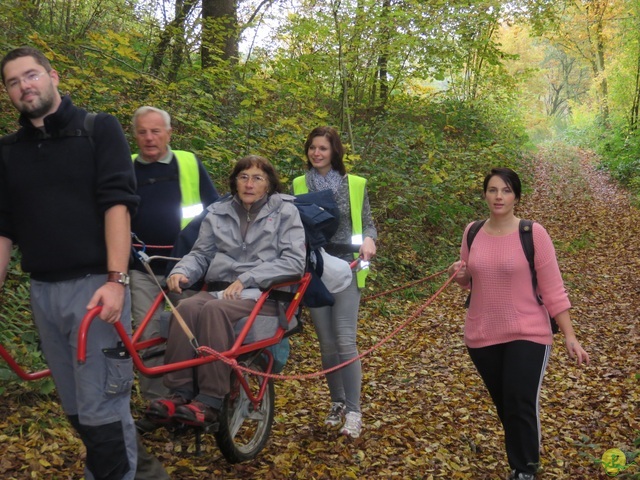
(118, 277)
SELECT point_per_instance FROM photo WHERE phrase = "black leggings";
(513, 372)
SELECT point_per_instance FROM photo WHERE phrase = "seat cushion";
(264, 326)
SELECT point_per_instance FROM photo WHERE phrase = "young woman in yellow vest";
(336, 325)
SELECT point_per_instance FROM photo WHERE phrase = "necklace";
(495, 228)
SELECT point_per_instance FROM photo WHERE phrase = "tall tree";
(220, 32)
(382, 78)
(585, 29)
(625, 75)
(567, 81)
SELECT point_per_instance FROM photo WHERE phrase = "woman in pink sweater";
(507, 331)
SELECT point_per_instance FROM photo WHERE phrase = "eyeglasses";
(244, 178)
(28, 78)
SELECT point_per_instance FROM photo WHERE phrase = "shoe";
(196, 414)
(335, 416)
(352, 425)
(521, 476)
(163, 409)
(146, 425)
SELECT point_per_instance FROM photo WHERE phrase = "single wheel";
(244, 430)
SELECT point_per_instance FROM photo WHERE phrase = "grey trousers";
(212, 322)
(336, 328)
(144, 291)
(95, 396)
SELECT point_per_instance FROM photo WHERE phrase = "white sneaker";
(335, 416)
(352, 425)
(521, 476)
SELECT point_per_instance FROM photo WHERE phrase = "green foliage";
(426, 167)
(18, 334)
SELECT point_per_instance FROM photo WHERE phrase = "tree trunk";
(219, 32)
(173, 29)
(635, 107)
(383, 57)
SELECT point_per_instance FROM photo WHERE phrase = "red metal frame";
(19, 371)
(133, 345)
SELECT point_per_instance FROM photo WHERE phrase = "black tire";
(243, 431)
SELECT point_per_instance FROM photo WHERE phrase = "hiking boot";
(335, 416)
(352, 425)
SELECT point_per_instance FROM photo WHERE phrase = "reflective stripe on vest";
(189, 177)
(356, 200)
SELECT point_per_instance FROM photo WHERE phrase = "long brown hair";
(337, 149)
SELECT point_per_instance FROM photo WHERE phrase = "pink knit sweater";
(503, 307)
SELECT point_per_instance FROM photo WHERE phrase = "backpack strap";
(471, 234)
(89, 122)
(526, 239)
(473, 230)
(5, 141)
(86, 131)
(9, 139)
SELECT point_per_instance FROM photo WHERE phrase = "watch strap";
(118, 277)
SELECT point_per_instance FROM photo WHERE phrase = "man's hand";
(111, 297)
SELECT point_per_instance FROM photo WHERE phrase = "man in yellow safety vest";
(174, 187)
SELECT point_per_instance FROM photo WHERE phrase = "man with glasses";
(66, 197)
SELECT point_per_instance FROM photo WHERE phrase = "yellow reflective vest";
(356, 201)
(189, 176)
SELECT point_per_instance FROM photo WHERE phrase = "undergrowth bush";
(425, 161)
(618, 148)
(18, 334)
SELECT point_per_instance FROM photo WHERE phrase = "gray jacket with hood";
(272, 251)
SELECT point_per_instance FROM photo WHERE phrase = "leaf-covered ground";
(426, 413)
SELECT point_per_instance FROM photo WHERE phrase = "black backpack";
(526, 239)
